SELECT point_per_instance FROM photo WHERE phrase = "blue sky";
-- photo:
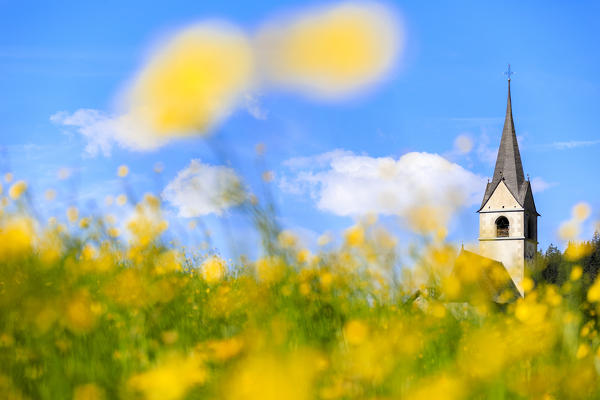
(448, 82)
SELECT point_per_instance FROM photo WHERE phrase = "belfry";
(508, 217)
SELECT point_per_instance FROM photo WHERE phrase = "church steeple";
(508, 162)
(507, 217)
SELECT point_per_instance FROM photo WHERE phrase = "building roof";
(483, 279)
(509, 167)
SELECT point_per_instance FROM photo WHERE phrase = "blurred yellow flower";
(569, 230)
(324, 239)
(84, 223)
(356, 332)
(171, 378)
(442, 387)
(213, 269)
(50, 194)
(17, 236)
(17, 189)
(577, 250)
(582, 351)
(303, 256)
(193, 81)
(593, 294)
(223, 350)
(168, 261)
(272, 378)
(122, 171)
(527, 284)
(8, 177)
(268, 176)
(78, 315)
(287, 239)
(581, 211)
(64, 173)
(355, 236)
(270, 269)
(331, 51)
(121, 200)
(576, 273)
(89, 391)
(72, 214)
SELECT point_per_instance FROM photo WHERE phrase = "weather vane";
(509, 72)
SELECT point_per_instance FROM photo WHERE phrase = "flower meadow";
(91, 312)
(95, 307)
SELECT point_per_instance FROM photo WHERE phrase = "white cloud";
(102, 131)
(347, 184)
(202, 189)
(539, 185)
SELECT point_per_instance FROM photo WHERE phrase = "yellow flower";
(442, 387)
(356, 332)
(89, 391)
(72, 214)
(8, 177)
(593, 294)
(582, 351)
(331, 51)
(79, 317)
(84, 223)
(355, 236)
(122, 171)
(168, 261)
(121, 200)
(324, 239)
(577, 250)
(576, 273)
(213, 269)
(17, 235)
(581, 211)
(527, 284)
(225, 349)
(272, 378)
(64, 173)
(287, 239)
(170, 379)
(50, 194)
(303, 256)
(270, 269)
(193, 81)
(17, 189)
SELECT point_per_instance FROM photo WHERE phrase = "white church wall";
(510, 253)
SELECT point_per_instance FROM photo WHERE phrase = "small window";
(502, 227)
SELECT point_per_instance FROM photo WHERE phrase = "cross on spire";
(509, 72)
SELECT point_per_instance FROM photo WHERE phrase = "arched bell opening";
(502, 227)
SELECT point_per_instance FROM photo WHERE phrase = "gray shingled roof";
(509, 167)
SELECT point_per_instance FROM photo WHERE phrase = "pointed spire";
(508, 164)
(509, 167)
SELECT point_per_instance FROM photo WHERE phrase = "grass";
(92, 316)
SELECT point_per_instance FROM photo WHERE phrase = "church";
(507, 222)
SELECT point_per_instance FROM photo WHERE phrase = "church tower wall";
(507, 217)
